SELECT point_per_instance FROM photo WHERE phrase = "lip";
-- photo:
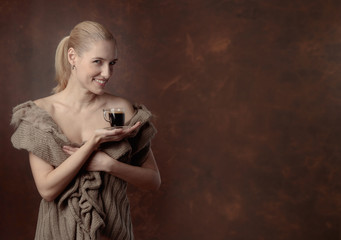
(101, 82)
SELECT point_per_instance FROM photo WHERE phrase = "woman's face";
(95, 66)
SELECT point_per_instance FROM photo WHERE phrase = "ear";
(72, 56)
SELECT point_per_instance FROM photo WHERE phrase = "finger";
(136, 126)
(68, 152)
(69, 149)
(66, 148)
(118, 134)
(133, 128)
(113, 132)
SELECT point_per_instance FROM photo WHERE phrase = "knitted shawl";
(94, 203)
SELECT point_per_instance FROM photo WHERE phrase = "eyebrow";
(114, 60)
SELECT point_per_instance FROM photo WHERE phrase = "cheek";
(91, 72)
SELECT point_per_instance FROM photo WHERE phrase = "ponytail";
(62, 65)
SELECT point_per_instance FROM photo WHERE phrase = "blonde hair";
(80, 39)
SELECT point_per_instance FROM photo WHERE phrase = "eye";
(112, 63)
(97, 61)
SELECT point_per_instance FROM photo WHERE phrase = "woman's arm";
(52, 181)
(146, 177)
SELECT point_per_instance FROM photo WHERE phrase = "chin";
(98, 92)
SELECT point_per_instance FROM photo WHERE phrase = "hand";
(70, 150)
(99, 161)
(117, 134)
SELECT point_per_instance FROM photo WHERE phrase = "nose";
(106, 71)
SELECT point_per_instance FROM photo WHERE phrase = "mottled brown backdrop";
(247, 98)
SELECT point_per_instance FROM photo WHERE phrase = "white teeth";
(100, 81)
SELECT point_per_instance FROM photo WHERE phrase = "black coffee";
(116, 119)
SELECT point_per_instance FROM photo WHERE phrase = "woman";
(80, 167)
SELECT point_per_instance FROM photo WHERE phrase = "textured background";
(247, 98)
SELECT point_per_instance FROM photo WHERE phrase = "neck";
(78, 98)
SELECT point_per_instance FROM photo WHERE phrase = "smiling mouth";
(101, 82)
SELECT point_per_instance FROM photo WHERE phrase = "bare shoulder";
(116, 101)
(45, 103)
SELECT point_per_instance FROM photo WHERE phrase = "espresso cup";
(115, 116)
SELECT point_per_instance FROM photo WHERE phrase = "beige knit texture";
(94, 203)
